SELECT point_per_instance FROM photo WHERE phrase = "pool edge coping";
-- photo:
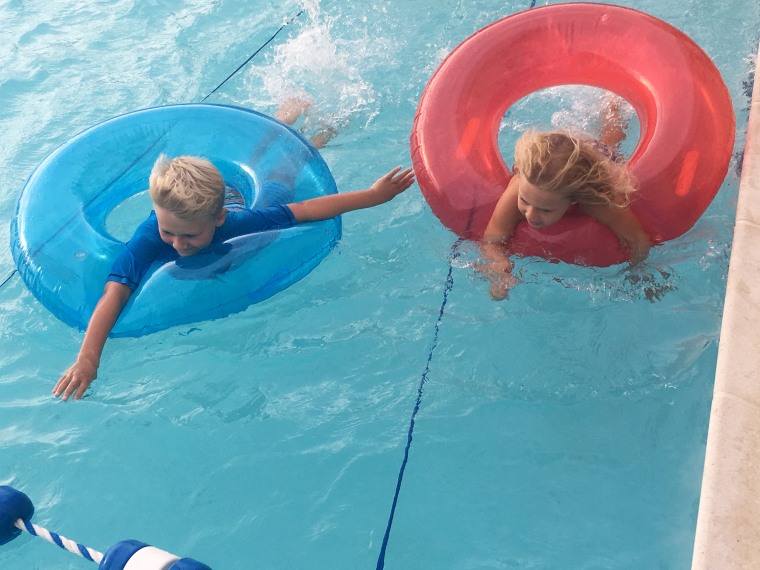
(728, 523)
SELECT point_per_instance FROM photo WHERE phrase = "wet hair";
(190, 187)
(578, 166)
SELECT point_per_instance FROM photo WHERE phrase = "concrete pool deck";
(728, 524)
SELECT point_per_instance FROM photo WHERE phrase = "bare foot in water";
(292, 109)
(323, 137)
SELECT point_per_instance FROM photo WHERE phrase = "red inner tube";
(684, 109)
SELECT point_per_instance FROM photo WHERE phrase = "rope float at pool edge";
(16, 510)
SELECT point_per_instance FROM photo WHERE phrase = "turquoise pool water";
(564, 428)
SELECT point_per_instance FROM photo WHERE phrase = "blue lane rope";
(9, 277)
(423, 380)
(226, 79)
(254, 54)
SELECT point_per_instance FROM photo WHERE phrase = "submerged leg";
(614, 127)
(294, 108)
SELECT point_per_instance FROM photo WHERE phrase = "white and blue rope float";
(16, 510)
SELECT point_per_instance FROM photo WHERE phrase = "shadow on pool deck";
(728, 524)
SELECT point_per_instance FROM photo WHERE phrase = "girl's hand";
(650, 281)
(392, 184)
(499, 273)
(500, 291)
(638, 245)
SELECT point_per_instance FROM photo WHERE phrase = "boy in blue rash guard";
(188, 216)
(150, 241)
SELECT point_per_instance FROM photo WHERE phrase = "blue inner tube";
(64, 252)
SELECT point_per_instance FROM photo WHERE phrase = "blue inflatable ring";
(64, 252)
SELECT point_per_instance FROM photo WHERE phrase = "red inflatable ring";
(683, 106)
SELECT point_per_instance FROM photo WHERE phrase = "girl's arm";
(505, 216)
(80, 375)
(326, 207)
(493, 245)
(625, 226)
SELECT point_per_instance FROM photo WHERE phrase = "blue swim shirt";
(146, 247)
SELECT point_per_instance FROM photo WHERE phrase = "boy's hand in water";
(392, 184)
(75, 380)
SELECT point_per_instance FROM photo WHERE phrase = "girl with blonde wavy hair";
(553, 171)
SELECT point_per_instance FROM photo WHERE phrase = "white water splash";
(322, 66)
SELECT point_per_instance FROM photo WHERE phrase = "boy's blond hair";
(188, 186)
(575, 166)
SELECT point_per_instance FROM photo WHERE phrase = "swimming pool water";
(563, 428)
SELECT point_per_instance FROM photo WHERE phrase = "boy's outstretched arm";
(80, 375)
(325, 207)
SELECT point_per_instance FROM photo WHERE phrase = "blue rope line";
(9, 277)
(160, 137)
(423, 380)
(446, 290)
(118, 177)
(254, 54)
